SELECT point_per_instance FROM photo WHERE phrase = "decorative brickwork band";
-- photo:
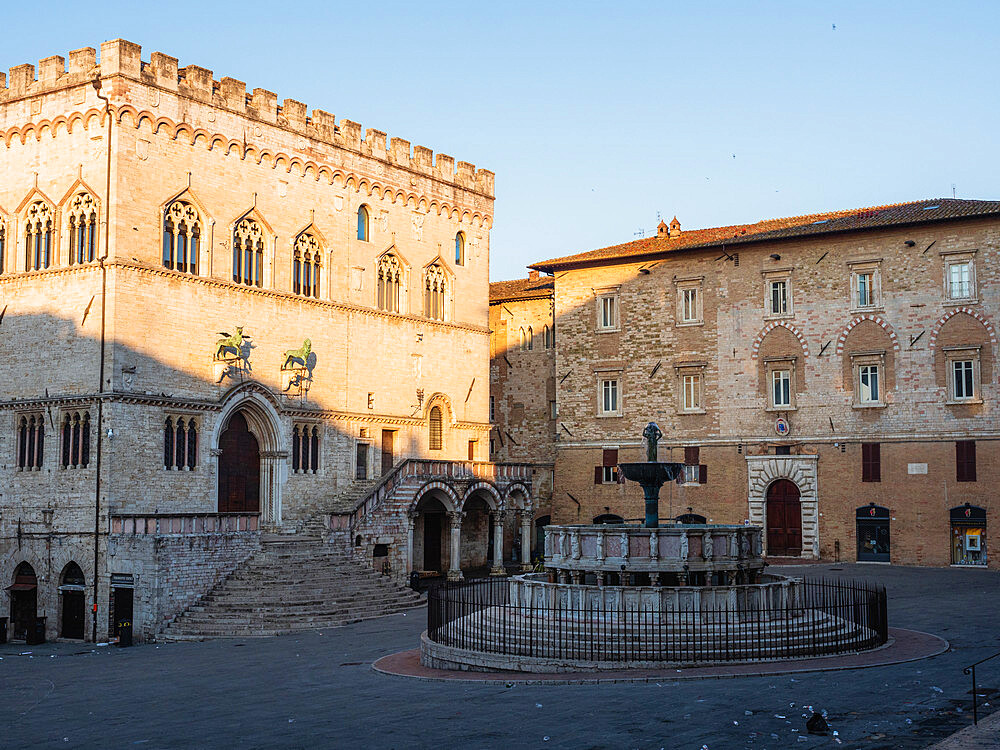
(493, 498)
(755, 348)
(939, 323)
(451, 500)
(861, 319)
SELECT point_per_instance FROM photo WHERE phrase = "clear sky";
(597, 115)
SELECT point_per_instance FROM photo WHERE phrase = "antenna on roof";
(640, 234)
(953, 190)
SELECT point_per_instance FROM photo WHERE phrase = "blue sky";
(596, 116)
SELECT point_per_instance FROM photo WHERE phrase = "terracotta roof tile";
(855, 219)
(529, 288)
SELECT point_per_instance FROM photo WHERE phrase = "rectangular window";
(865, 291)
(553, 412)
(691, 392)
(959, 280)
(361, 465)
(472, 449)
(871, 462)
(607, 472)
(868, 380)
(965, 460)
(781, 387)
(609, 396)
(608, 312)
(694, 472)
(689, 305)
(963, 379)
(779, 297)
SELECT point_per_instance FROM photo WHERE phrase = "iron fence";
(823, 618)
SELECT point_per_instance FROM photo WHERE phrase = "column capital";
(455, 517)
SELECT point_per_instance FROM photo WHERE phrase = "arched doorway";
(429, 535)
(239, 468)
(784, 519)
(23, 601)
(476, 553)
(71, 593)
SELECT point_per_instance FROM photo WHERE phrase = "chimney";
(662, 230)
(675, 228)
(532, 275)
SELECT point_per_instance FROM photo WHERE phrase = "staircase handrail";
(971, 669)
(373, 498)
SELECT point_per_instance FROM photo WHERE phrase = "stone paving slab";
(982, 736)
(903, 646)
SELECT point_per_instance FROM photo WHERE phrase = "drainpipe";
(100, 382)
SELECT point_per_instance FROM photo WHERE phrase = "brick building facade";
(219, 315)
(830, 377)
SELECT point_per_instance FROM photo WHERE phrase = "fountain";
(630, 596)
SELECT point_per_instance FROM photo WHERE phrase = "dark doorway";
(239, 468)
(362, 461)
(74, 608)
(23, 601)
(432, 540)
(873, 533)
(387, 457)
(121, 602)
(540, 523)
(784, 519)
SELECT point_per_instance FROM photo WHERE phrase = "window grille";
(182, 230)
(305, 449)
(82, 229)
(76, 440)
(38, 237)
(435, 428)
(435, 285)
(248, 253)
(306, 266)
(388, 283)
(30, 442)
(180, 443)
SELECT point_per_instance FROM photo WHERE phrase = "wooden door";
(432, 541)
(73, 608)
(387, 456)
(784, 519)
(239, 468)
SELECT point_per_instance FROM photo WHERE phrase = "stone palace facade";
(220, 315)
(831, 377)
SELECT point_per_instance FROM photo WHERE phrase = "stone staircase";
(296, 582)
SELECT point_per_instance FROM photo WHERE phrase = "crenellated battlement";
(121, 58)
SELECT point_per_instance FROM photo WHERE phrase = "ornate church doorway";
(239, 468)
(784, 520)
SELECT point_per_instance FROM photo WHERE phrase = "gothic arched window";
(82, 229)
(38, 237)
(248, 253)
(182, 228)
(434, 292)
(363, 223)
(434, 438)
(306, 265)
(547, 337)
(522, 341)
(30, 442)
(459, 249)
(180, 443)
(389, 272)
(531, 339)
(305, 449)
(76, 440)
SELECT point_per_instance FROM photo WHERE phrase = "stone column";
(498, 568)
(411, 519)
(455, 568)
(271, 465)
(525, 518)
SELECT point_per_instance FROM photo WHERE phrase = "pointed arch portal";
(239, 468)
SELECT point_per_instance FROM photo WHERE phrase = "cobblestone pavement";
(318, 690)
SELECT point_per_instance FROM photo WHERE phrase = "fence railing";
(829, 617)
(971, 669)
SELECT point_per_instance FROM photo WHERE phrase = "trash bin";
(36, 632)
(123, 629)
(3, 629)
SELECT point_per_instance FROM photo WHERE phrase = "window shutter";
(598, 474)
(965, 460)
(610, 457)
(702, 474)
(871, 462)
(691, 456)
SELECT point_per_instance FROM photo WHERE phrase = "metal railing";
(971, 669)
(828, 617)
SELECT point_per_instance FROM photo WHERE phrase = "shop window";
(968, 535)
(871, 462)
(872, 522)
(607, 472)
(965, 460)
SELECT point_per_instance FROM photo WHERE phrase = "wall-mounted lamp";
(111, 434)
